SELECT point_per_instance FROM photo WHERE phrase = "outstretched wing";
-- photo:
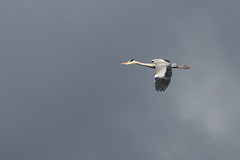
(163, 78)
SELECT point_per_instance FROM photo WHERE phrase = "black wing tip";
(160, 89)
(161, 84)
(166, 60)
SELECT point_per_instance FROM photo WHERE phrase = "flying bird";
(163, 69)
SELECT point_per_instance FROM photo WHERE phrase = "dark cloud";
(66, 96)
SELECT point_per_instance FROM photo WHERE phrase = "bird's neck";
(145, 64)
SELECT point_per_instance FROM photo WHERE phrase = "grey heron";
(163, 69)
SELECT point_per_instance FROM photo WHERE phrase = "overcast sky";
(65, 96)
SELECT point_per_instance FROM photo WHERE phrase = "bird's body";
(163, 69)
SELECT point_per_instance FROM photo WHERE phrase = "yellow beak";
(124, 63)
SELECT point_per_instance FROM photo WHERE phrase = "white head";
(131, 61)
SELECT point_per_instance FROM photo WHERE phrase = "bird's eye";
(152, 61)
(131, 60)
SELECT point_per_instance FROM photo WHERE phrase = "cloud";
(66, 96)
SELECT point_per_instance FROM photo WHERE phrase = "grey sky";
(64, 94)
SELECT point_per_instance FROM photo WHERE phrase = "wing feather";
(163, 81)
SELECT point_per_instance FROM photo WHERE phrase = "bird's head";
(131, 61)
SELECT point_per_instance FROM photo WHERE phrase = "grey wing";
(163, 81)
